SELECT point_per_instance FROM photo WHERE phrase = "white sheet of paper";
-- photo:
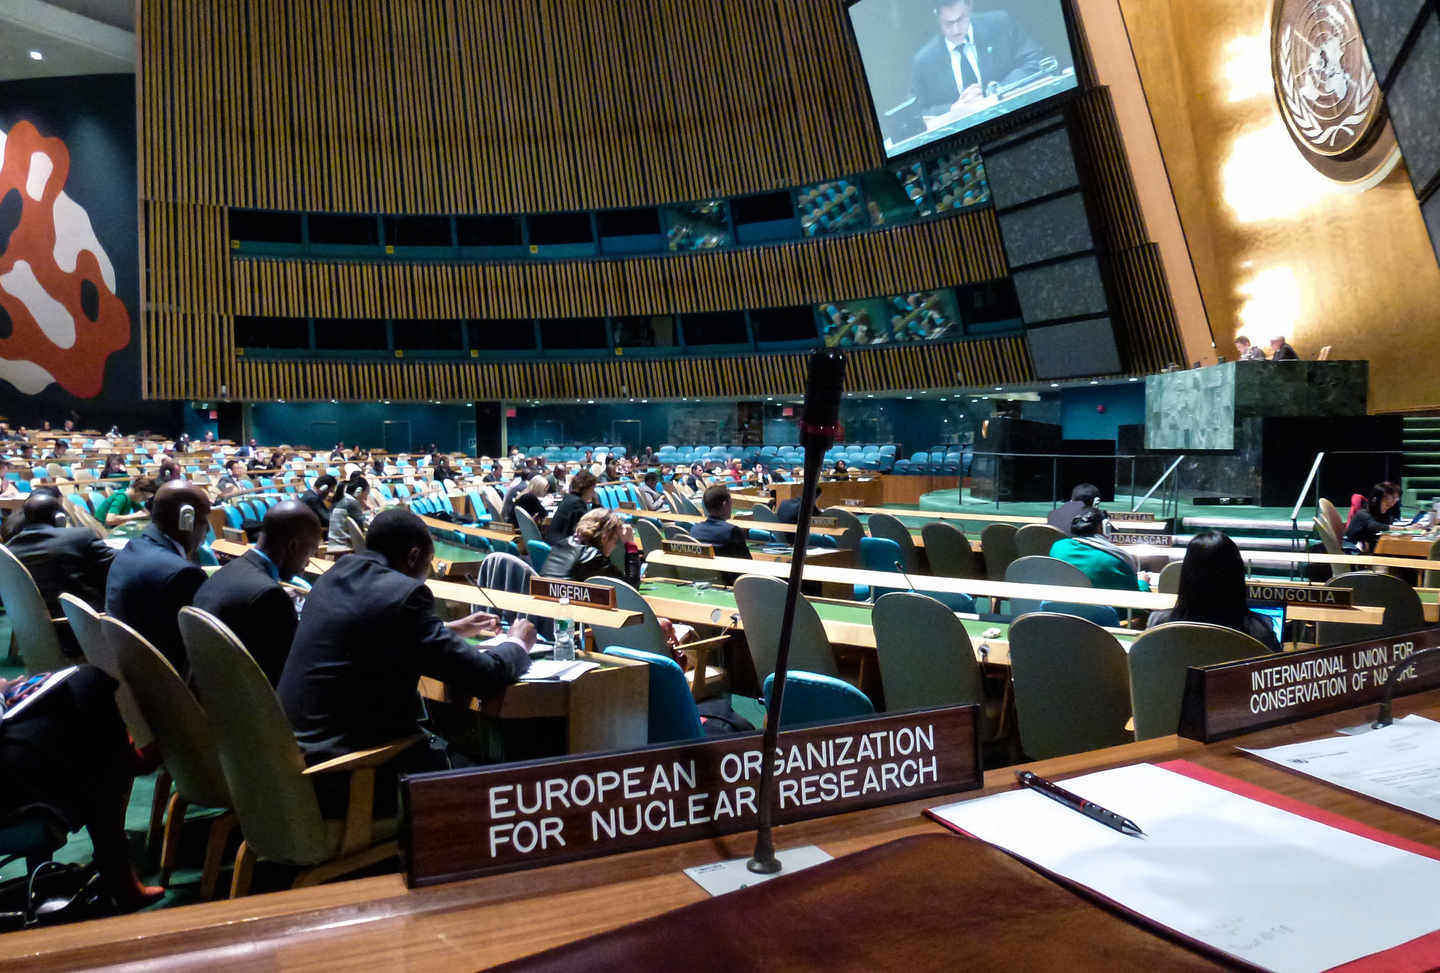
(1398, 764)
(548, 670)
(719, 878)
(1264, 885)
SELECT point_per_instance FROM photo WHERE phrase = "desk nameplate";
(1141, 540)
(688, 549)
(1239, 697)
(466, 823)
(579, 593)
(1133, 517)
(1279, 593)
(824, 522)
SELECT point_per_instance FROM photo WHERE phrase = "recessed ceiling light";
(909, 398)
(1054, 385)
(1094, 381)
(36, 56)
(999, 388)
(1133, 379)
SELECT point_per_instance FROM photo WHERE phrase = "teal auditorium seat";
(673, 714)
(813, 698)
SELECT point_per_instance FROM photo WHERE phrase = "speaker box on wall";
(1074, 350)
(1028, 166)
(1043, 231)
(1067, 289)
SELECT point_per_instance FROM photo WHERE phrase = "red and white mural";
(62, 317)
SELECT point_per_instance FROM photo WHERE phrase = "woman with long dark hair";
(1371, 520)
(1212, 589)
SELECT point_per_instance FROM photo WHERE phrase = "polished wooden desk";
(833, 493)
(947, 515)
(376, 924)
(605, 709)
(471, 530)
(747, 523)
(1404, 545)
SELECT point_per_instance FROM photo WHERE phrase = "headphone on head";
(187, 518)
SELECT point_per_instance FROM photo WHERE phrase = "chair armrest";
(705, 645)
(61, 622)
(373, 757)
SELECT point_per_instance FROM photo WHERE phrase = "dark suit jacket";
(567, 515)
(366, 636)
(1061, 516)
(727, 539)
(254, 606)
(149, 583)
(1005, 52)
(64, 559)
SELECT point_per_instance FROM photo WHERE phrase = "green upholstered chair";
(949, 551)
(274, 791)
(926, 658)
(997, 543)
(85, 623)
(1039, 569)
(854, 530)
(1072, 690)
(1036, 539)
(1158, 660)
(529, 530)
(1169, 581)
(890, 528)
(1404, 611)
(186, 744)
(30, 621)
(762, 604)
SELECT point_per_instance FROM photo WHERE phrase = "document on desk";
(548, 670)
(1398, 764)
(1257, 883)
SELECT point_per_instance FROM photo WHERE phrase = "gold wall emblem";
(1327, 91)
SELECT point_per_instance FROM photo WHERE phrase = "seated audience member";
(337, 455)
(234, 481)
(1247, 351)
(1083, 497)
(246, 594)
(68, 751)
(841, 471)
(1280, 350)
(788, 511)
(1106, 565)
(348, 500)
(557, 478)
(442, 471)
(368, 633)
(586, 554)
(650, 493)
(154, 576)
(695, 481)
(518, 485)
(580, 499)
(169, 470)
(319, 497)
(128, 504)
(114, 466)
(1212, 589)
(377, 466)
(529, 500)
(7, 486)
(716, 530)
(1371, 520)
(61, 559)
(736, 471)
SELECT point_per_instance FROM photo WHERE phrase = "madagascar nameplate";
(1278, 593)
(1237, 697)
(687, 548)
(463, 823)
(1137, 540)
(579, 593)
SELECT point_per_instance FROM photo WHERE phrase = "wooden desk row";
(376, 924)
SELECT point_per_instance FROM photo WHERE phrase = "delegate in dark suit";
(367, 635)
(727, 539)
(150, 581)
(1005, 53)
(246, 596)
(64, 560)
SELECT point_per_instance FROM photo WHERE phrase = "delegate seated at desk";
(1106, 565)
(954, 69)
(586, 554)
(368, 633)
(716, 530)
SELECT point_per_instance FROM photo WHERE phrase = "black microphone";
(818, 428)
(1385, 717)
(900, 566)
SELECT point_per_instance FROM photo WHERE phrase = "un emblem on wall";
(1327, 91)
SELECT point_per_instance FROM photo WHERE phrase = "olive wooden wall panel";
(961, 249)
(440, 106)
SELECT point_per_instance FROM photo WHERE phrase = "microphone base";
(764, 866)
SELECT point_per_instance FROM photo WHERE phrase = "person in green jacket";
(1106, 565)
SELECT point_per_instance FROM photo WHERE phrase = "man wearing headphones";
(155, 575)
(60, 558)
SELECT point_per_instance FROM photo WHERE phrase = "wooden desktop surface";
(376, 924)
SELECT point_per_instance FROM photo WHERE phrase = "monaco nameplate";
(1279, 593)
(687, 548)
(1237, 697)
(824, 522)
(579, 593)
(463, 823)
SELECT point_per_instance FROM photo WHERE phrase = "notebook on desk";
(1231, 867)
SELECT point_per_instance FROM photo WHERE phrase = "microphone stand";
(1385, 717)
(764, 862)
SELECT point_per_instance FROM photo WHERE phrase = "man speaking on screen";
(950, 74)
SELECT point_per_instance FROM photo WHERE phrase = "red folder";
(1418, 954)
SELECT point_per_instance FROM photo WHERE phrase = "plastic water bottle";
(565, 633)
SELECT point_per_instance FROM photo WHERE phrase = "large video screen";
(938, 68)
